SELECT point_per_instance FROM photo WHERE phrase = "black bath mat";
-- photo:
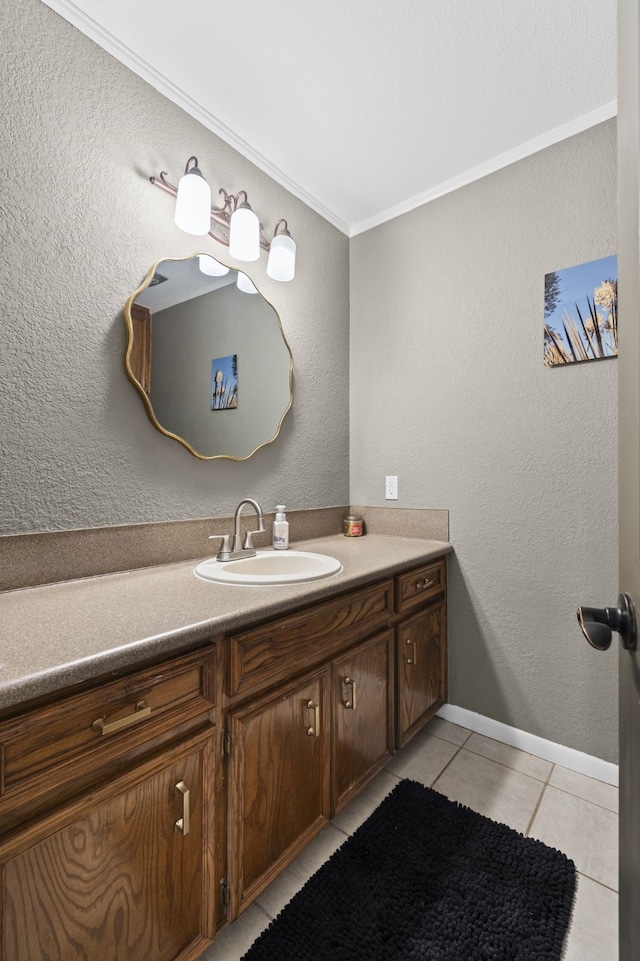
(425, 879)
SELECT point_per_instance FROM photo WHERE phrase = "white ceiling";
(366, 108)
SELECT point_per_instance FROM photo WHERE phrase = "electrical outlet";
(391, 487)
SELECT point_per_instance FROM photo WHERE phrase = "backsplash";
(30, 560)
(405, 522)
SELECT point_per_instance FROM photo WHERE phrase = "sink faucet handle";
(247, 544)
(225, 547)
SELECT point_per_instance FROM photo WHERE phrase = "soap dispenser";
(280, 529)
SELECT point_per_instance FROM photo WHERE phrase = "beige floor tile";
(235, 939)
(423, 759)
(447, 730)
(576, 814)
(509, 756)
(606, 795)
(358, 810)
(586, 832)
(593, 933)
(492, 789)
(322, 847)
(273, 899)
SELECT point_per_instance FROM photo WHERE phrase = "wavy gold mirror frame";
(210, 362)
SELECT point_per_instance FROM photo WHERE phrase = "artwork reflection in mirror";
(224, 383)
(191, 335)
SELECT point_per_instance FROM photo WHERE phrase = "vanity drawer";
(80, 732)
(421, 584)
(292, 644)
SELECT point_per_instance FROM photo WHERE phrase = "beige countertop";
(66, 633)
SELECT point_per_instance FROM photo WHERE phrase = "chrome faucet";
(234, 550)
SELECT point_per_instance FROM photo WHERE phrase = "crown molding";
(90, 28)
(584, 122)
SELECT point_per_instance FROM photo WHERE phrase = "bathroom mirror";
(209, 358)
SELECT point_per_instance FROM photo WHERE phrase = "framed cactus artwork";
(581, 313)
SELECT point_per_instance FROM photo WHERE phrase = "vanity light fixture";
(244, 231)
(233, 224)
(193, 201)
(282, 254)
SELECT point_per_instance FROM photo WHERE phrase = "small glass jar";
(353, 526)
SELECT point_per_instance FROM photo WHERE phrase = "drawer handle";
(183, 824)
(423, 585)
(314, 730)
(351, 703)
(413, 660)
(141, 711)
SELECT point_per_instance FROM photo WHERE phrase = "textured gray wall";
(448, 387)
(80, 227)
(448, 391)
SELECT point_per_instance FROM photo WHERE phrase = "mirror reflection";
(208, 355)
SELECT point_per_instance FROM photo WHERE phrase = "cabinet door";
(119, 875)
(421, 669)
(363, 719)
(279, 782)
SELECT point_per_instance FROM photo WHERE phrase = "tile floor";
(566, 810)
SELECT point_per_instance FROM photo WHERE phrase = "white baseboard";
(564, 756)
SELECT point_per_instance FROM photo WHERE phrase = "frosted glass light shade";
(281, 264)
(244, 234)
(211, 267)
(193, 204)
(245, 284)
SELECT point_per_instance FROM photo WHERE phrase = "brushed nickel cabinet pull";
(184, 823)
(351, 704)
(412, 660)
(422, 585)
(141, 711)
(314, 730)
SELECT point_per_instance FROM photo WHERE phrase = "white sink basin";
(270, 567)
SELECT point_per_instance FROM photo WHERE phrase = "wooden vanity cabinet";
(140, 814)
(363, 732)
(298, 753)
(287, 646)
(118, 859)
(357, 677)
(278, 782)
(120, 873)
(421, 649)
(298, 749)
